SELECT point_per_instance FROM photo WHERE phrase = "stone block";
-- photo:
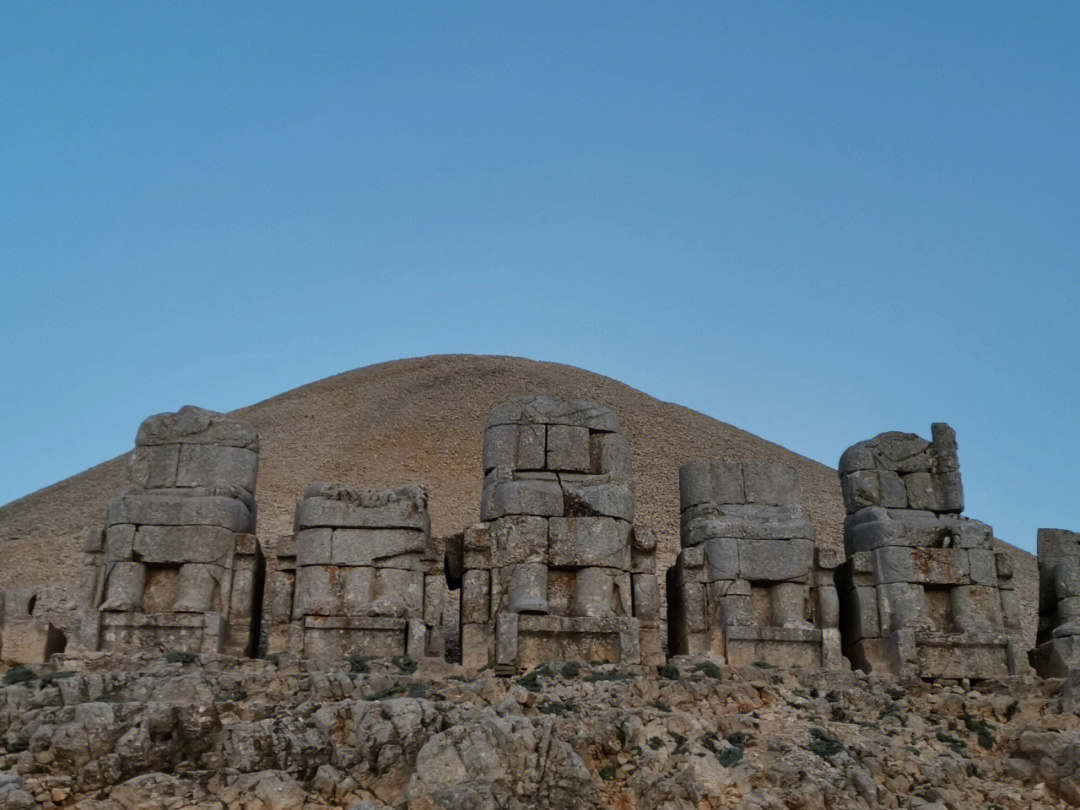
(178, 510)
(205, 465)
(855, 458)
(154, 467)
(1005, 565)
(199, 588)
(518, 539)
(611, 456)
(182, 544)
(593, 592)
(945, 447)
(982, 565)
(568, 448)
(191, 425)
(949, 492)
(769, 484)
(475, 596)
(775, 560)
(695, 485)
(416, 638)
(745, 522)
(695, 607)
(921, 491)
(976, 609)
(546, 409)
(901, 452)
(721, 558)
(1057, 543)
(901, 605)
(828, 606)
(788, 603)
(527, 588)
(314, 547)
(576, 542)
(403, 513)
(500, 446)
(31, 642)
(927, 566)
(728, 483)
(395, 592)
(477, 646)
(860, 489)
(317, 592)
(119, 543)
(540, 498)
(646, 596)
(390, 548)
(893, 491)
(506, 639)
(124, 586)
(604, 500)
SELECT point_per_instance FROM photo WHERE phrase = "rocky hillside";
(420, 421)
(276, 734)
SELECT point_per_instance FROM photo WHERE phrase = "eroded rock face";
(749, 584)
(127, 733)
(922, 589)
(177, 564)
(558, 570)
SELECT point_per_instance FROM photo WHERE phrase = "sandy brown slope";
(418, 420)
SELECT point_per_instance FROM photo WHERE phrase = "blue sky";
(814, 221)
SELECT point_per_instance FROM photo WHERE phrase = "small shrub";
(607, 773)
(571, 669)
(838, 715)
(358, 664)
(730, 757)
(680, 741)
(764, 665)
(832, 696)
(19, 674)
(655, 743)
(531, 682)
(669, 672)
(417, 689)
(708, 669)
(613, 675)
(983, 731)
(824, 745)
(559, 708)
(957, 745)
(737, 738)
(404, 663)
(1012, 710)
(892, 710)
(273, 658)
(59, 675)
(180, 657)
(659, 704)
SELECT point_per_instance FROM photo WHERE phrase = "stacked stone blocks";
(177, 564)
(557, 570)
(361, 576)
(1057, 650)
(922, 589)
(748, 585)
(25, 638)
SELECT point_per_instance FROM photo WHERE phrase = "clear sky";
(814, 221)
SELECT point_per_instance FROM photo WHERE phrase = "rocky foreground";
(227, 733)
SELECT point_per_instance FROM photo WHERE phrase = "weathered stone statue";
(362, 576)
(922, 590)
(177, 565)
(557, 570)
(748, 585)
(1057, 650)
(25, 638)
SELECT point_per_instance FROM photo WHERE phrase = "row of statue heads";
(558, 568)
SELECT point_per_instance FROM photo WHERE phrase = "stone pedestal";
(557, 570)
(177, 565)
(361, 576)
(749, 585)
(922, 590)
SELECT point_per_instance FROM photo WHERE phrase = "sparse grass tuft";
(180, 657)
(19, 674)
